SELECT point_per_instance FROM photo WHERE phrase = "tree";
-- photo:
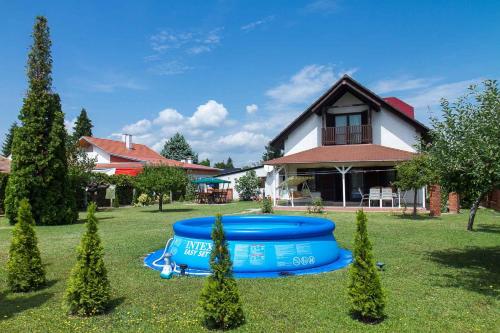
(271, 153)
(83, 126)
(205, 162)
(225, 165)
(7, 143)
(177, 148)
(220, 165)
(88, 291)
(248, 185)
(160, 180)
(39, 170)
(365, 289)
(465, 144)
(220, 298)
(229, 163)
(414, 174)
(25, 271)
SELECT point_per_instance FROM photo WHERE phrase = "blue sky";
(231, 74)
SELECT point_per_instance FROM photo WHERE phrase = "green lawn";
(439, 278)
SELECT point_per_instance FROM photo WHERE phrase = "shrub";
(3, 184)
(219, 298)
(316, 206)
(248, 185)
(365, 290)
(143, 200)
(88, 289)
(190, 191)
(25, 271)
(116, 200)
(266, 206)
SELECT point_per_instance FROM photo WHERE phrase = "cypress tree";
(365, 289)
(88, 290)
(83, 126)
(39, 169)
(24, 267)
(7, 144)
(220, 298)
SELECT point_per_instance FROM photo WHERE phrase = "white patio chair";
(374, 195)
(364, 196)
(387, 195)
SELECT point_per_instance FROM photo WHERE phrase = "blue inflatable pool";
(260, 246)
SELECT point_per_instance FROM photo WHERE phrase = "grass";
(438, 278)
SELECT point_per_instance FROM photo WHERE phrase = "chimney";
(127, 138)
(190, 160)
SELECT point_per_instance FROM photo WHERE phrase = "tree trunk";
(160, 202)
(415, 203)
(473, 210)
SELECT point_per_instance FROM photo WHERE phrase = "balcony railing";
(347, 135)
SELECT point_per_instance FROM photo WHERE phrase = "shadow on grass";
(167, 210)
(12, 304)
(488, 228)
(115, 302)
(475, 268)
(410, 217)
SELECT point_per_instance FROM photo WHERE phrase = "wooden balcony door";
(348, 129)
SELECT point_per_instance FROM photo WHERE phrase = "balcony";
(347, 135)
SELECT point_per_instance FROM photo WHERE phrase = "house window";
(348, 128)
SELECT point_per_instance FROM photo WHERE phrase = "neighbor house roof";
(344, 154)
(4, 165)
(136, 157)
(348, 84)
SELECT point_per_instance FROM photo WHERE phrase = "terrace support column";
(343, 171)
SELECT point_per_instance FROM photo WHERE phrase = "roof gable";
(341, 87)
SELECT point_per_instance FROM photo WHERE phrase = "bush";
(190, 191)
(220, 298)
(144, 200)
(365, 290)
(116, 200)
(266, 206)
(316, 206)
(3, 184)
(25, 271)
(88, 290)
(248, 186)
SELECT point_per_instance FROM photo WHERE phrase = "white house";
(233, 176)
(344, 145)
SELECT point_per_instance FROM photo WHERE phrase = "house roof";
(343, 85)
(238, 170)
(344, 154)
(139, 155)
(4, 165)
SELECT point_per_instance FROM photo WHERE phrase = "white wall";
(391, 131)
(260, 172)
(306, 136)
(102, 156)
(344, 105)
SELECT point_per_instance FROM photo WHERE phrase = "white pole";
(399, 198)
(423, 197)
(343, 171)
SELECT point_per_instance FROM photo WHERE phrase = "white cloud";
(69, 124)
(323, 6)
(244, 140)
(209, 114)
(188, 42)
(139, 127)
(431, 96)
(168, 116)
(309, 82)
(252, 25)
(402, 84)
(252, 108)
(169, 68)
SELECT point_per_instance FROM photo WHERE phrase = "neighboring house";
(4, 164)
(125, 157)
(234, 175)
(345, 143)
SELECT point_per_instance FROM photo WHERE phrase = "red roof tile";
(345, 153)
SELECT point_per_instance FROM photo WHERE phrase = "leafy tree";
(220, 298)
(39, 170)
(83, 126)
(220, 165)
(414, 174)
(7, 144)
(88, 291)
(365, 289)
(205, 162)
(248, 185)
(160, 180)
(465, 144)
(271, 153)
(25, 271)
(177, 148)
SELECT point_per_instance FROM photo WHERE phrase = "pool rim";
(310, 227)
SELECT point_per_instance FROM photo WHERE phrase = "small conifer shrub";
(365, 290)
(116, 200)
(88, 289)
(266, 206)
(220, 298)
(25, 271)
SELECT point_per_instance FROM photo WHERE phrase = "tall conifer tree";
(7, 144)
(83, 126)
(39, 169)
